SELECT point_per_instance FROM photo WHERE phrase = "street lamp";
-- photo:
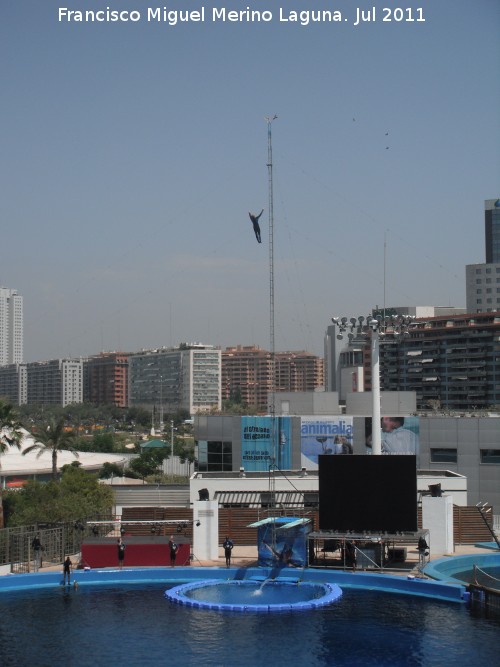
(395, 326)
(172, 445)
(161, 404)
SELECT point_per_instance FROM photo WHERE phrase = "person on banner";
(395, 438)
(284, 557)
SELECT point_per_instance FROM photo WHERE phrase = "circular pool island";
(254, 596)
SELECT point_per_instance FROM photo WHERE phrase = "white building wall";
(202, 379)
(72, 381)
(395, 403)
(352, 379)
(437, 518)
(306, 403)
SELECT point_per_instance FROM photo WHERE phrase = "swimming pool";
(122, 617)
(458, 569)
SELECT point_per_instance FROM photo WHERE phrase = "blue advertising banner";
(257, 443)
(324, 435)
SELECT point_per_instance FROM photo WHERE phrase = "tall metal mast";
(272, 383)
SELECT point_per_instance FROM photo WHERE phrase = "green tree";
(54, 438)
(148, 462)
(77, 496)
(109, 470)
(103, 442)
(10, 426)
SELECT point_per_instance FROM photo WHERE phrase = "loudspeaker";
(267, 499)
(435, 490)
(204, 494)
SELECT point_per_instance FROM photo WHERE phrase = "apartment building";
(11, 326)
(187, 377)
(247, 373)
(106, 380)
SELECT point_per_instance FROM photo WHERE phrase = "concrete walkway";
(246, 556)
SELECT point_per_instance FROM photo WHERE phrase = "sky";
(132, 152)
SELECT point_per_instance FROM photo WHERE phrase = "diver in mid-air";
(255, 223)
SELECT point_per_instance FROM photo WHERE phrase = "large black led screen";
(368, 493)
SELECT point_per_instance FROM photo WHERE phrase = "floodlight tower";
(390, 328)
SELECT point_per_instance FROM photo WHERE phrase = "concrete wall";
(393, 403)
(437, 518)
(307, 403)
(468, 435)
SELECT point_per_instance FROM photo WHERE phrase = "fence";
(16, 545)
(485, 591)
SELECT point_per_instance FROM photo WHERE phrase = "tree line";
(59, 429)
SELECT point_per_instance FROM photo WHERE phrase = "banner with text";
(265, 441)
(324, 435)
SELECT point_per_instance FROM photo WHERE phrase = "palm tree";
(53, 438)
(10, 433)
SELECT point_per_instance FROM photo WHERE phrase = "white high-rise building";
(168, 379)
(11, 327)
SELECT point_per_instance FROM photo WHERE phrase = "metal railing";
(57, 541)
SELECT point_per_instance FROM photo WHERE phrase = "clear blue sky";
(131, 154)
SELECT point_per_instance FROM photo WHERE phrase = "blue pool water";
(133, 624)
(468, 575)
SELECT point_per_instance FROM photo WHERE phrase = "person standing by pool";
(121, 553)
(422, 549)
(228, 547)
(36, 545)
(67, 566)
(173, 550)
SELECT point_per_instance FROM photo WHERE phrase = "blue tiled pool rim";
(406, 585)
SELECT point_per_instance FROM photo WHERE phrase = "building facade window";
(215, 456)
(490, 456)
(443, 455)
